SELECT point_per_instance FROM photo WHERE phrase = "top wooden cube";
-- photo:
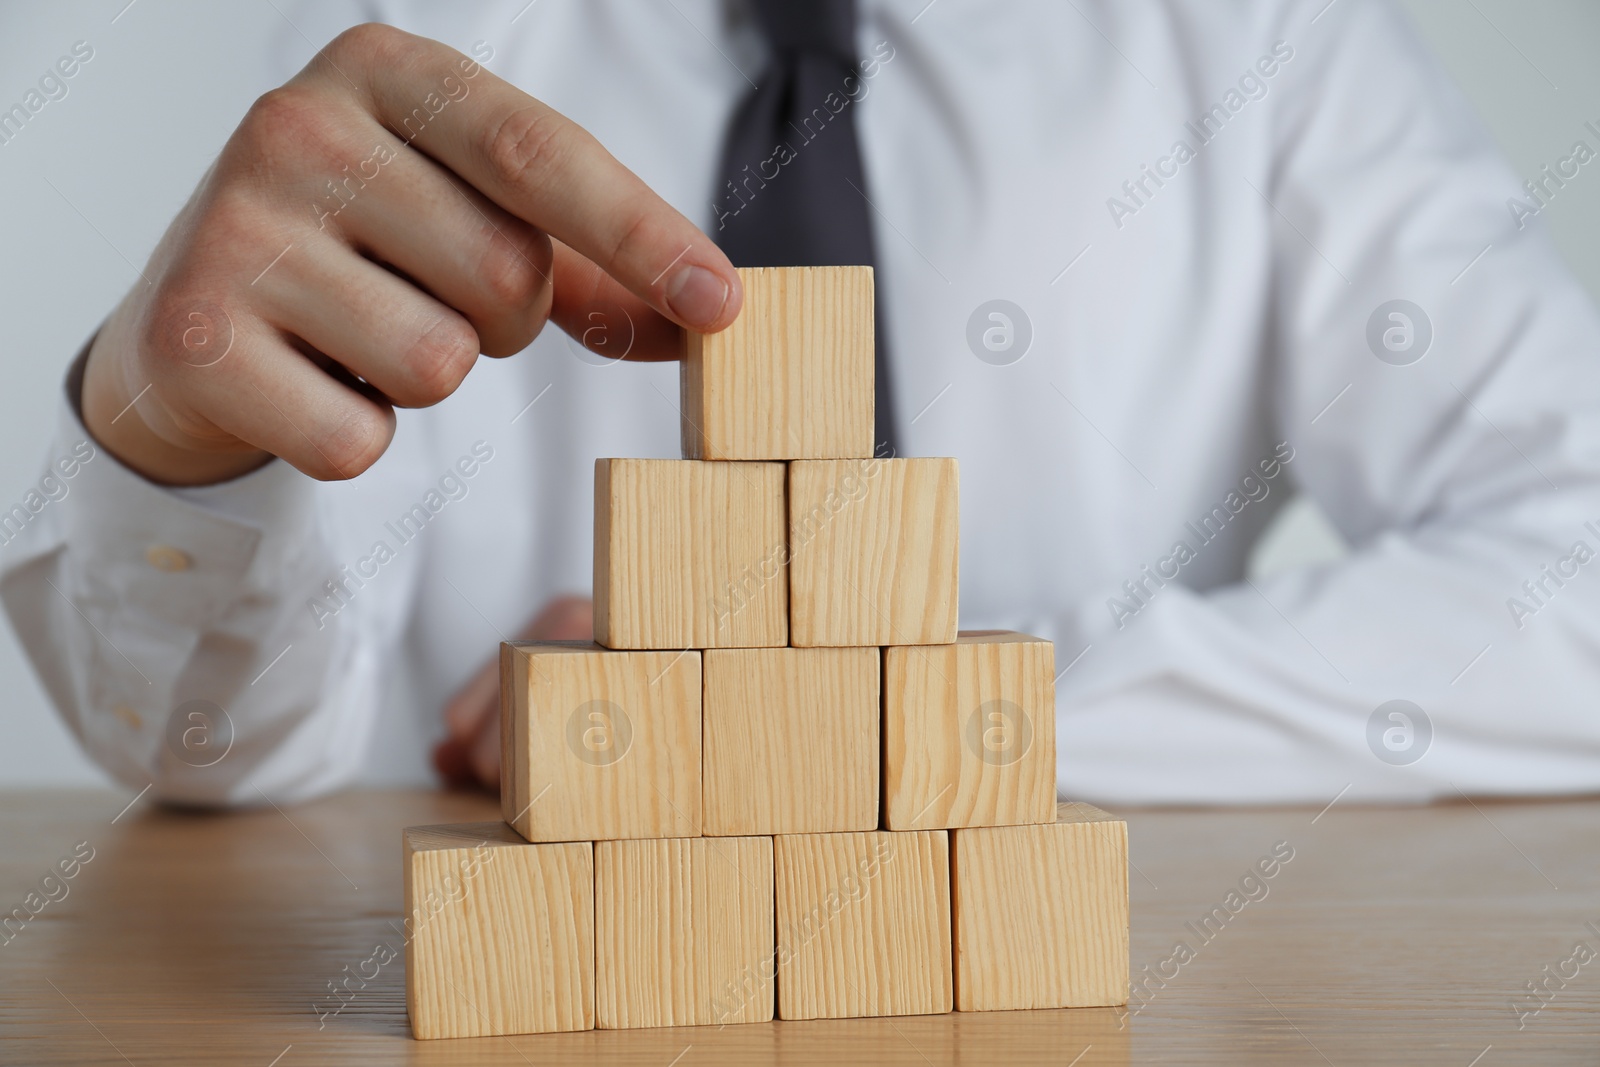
(792, 378)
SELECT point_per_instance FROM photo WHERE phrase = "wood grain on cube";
(683, 932)
(689, 554)
(500, 933)
(1041, 913)
(790, 740)
(792, 378)
(863, 924)
(599, 744)
(873, 548)
(969, 732)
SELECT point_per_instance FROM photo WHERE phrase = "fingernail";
(696, 296)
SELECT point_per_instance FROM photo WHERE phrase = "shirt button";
(166, 558)
(128, 716)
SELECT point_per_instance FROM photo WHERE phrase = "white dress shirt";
(1203, 326)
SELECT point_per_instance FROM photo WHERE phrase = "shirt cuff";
(180, 554)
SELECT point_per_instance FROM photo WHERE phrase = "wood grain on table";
(1382, 935)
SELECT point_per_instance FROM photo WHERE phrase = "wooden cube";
(792, 378)
(873, 546)
(1041, 913)
(689, 554)
(683, 932)
(597, 744)
(791, 740)
(863, 924)
(499, 933)
(969, 732)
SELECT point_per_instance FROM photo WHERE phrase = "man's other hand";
(470, 753)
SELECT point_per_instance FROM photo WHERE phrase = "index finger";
(547, 170)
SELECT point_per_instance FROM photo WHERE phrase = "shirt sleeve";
(1456, 447)
(171, 628)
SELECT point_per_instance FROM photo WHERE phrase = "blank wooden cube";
(499, 933)
(683, 932)
(969, 732)
(689, 554)
(1041, 913)
(598, 744)
(863, 924)
(792, 378)
(873, 546)
(791, 740)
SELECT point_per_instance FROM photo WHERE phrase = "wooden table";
(1391, 936)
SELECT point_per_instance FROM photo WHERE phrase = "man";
(1142, 267)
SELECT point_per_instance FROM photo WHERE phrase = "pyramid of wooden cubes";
(780, 782)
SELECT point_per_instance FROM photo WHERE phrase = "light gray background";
(88, 187)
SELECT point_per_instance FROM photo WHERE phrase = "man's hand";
(368, 230)
(470, 752)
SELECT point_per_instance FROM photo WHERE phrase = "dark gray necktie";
(791, 191)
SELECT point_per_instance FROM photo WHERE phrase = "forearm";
(1270, 691)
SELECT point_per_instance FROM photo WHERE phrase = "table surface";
(1393, 935)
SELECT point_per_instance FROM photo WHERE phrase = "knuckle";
(440, 359)
(175, 312)
(641, 238)
(369, 43)
(291, 122)
(199, 310)
(513, 271)
(360, 436)
(524, 144)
